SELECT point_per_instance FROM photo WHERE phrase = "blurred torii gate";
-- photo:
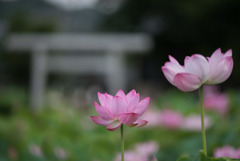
(110, 63)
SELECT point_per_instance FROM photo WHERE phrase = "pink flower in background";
(141, 152)
(171, 119)
(60, 153)
(153, 117)
(193, 123)
(132, 156)
(227, 151)
(197, 70)
(214, 100)
(35, 150)
(147, 148)
(166, 118)
(121, 109)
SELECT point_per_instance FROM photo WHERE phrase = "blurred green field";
(62, 132)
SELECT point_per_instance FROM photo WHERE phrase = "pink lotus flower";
(220, 67)
(121, 109)
(171, 119)
(227, 151)
(60, 153)
(153, 117)
(193, 123)
(35, 150)
(167, 118)
(147, 148)
(214, 100)
(132, 156)
(198, 70)
(141, 152)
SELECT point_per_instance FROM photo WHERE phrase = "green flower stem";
(122, 142)
(202, 121)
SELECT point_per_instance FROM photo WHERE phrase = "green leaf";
(184, 158)
(197, 157)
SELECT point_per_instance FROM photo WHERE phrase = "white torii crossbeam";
(108, 62)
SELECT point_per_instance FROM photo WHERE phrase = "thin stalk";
(202, 121)
(122, 142)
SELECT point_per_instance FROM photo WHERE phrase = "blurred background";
(55, 55)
